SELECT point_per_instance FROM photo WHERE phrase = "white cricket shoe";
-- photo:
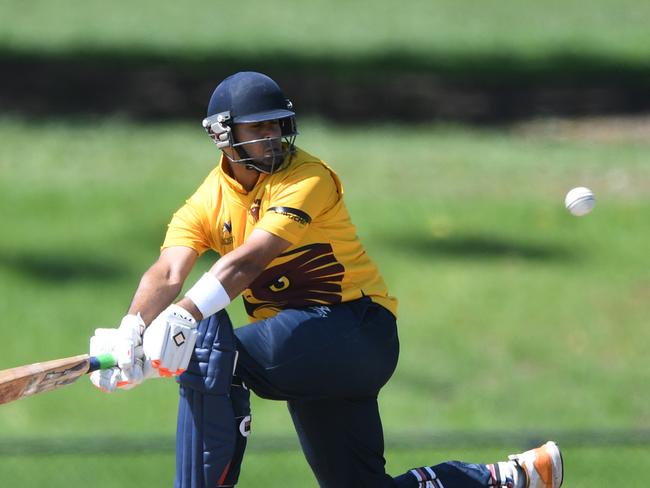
(542, 466)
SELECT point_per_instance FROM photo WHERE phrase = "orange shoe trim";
(544, 466)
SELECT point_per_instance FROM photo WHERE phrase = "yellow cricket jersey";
(303, 204)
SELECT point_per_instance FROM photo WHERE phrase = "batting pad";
(207, 434)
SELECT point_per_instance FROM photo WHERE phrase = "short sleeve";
(306, 194)
(187, 229)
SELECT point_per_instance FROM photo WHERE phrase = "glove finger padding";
(103, 341)
(108, 380)
(126, 347)
(111, 341)
(169, 341)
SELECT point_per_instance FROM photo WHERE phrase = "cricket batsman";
(323, 330)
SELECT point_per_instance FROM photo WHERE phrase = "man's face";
(265, 150)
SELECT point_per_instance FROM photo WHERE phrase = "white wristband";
(209, 295)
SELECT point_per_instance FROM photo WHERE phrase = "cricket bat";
(23, 381)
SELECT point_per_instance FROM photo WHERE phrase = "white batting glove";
(169, 341)
(112, 379)
(125, 344)
(126, 352)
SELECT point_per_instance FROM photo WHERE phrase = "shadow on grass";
(26, 447)
(61, 268)
(480, 247)
(390, 86)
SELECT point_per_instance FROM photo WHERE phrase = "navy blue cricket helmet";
(248, 97)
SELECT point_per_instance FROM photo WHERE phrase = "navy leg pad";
(206, 434)
(211, 366)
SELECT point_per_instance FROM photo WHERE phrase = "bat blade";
(23, 381)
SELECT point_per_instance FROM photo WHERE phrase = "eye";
(280, 284)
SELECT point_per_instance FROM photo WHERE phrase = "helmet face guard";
(249, 97)
(219, 128)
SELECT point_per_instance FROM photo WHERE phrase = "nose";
(271, 129)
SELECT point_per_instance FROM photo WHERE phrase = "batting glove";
(125, 344)
(169, 341)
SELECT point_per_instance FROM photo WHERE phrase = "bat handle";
(103, 361)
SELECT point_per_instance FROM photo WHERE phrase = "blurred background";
(457, 127)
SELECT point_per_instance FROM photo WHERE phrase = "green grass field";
(288, 469)
(522, 28)
(514, 315)
(517, 321)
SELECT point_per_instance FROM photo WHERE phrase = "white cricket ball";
(580, 201)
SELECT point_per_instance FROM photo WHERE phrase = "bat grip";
(103, 361)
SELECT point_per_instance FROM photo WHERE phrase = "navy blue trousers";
(328, 364)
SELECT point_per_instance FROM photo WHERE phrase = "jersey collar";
(232, 182)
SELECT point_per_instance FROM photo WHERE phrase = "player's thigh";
(347, 350)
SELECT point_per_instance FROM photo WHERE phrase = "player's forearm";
(232, 274)
(156, 291)
(239, 268)
(235, 273)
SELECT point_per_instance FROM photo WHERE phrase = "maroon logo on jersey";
(254, 211)
(306, 276)
(226, 237)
